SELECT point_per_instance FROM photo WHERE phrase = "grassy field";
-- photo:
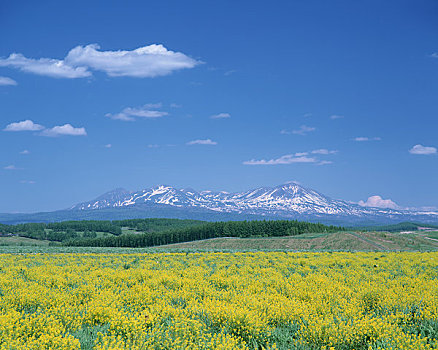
(339, 241)
(22, 241)
(252, 300)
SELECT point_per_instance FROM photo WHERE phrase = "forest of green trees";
(152, 232)
(209, 230)
(75, 230)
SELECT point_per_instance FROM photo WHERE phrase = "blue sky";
(340, 96)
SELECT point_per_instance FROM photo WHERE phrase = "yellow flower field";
(219, 301)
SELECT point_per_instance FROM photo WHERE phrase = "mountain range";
(287, 201)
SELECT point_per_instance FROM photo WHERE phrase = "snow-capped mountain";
(285, 201)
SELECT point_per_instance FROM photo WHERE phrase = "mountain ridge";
(289, 201)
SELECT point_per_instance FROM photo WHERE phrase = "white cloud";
(7, 81)
(300, 154)
(363, 139)
(323, 151)
(108, 145)
(303, 130)
(44, 66)
(434, 55)
(25, 151)
(143, 62)
(221, 116)
(325, 162)
(146, 111)
(10, 167)
(420, 149)
(25, 125)
(155, 145)
(175, 105)
(336, 116)
(202, 142)
(229, 72)
(29, 125)
(379, 202)
(286, 159)
(298, 157)
(61, 130)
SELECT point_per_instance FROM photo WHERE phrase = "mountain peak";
(116, 193)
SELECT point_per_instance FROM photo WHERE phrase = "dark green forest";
(86, 229)
(152, 232)
(208, 230)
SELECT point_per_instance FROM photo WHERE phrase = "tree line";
(75, 230)
(209, 230)
(402, 226)
(149, 225)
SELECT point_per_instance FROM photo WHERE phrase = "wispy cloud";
(424, 150)
(155, 145)
(25, 151)
(25, 125)
(143, 62)
(7, 81)
(336, 116)
(298, 157)
(379, 202)
(434, 55)
(44, 66)
(323, 151)
(325, 162)
(229, 72)
(146, 111)
(64, 130)
(221, 116)
(300, 154)
(175, 105)
(29, 182)
(202, 142)
(303, 130)
(364, 139)
(108, 145)
(10, 167)
(286, 159)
